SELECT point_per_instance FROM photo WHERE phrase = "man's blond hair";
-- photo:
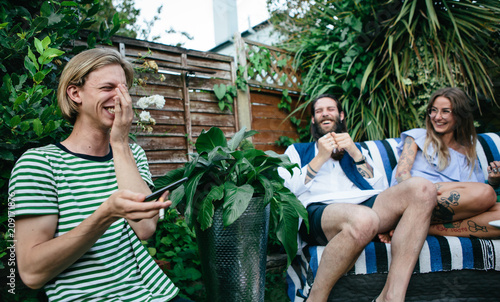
(77, 70)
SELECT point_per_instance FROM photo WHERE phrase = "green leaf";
(287, 230)
(37, 127)
(236, 140)
(93, 10)
(16, 120)
(38, 78)
(19, 100)
(235, 201)
(220, 91)
(6, 155)
(116, 24)
(24, 126)
(39, 46)
(210, 139)
(268, 188)
(69, 3)
(53, 53)
(31, 66)
(366, 74)
(45, 43)
(191, 190)
(222, 105)
(206, 211)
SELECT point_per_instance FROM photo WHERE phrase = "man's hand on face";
(124, 115)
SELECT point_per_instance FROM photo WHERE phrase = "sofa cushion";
(439, 254)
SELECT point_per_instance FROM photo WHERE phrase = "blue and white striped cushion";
(438, 253)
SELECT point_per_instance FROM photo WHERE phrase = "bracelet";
(361, 162)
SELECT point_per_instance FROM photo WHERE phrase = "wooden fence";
(265, 91)
(186, 79)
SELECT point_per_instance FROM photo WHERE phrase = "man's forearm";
(41, 257)
(365, 170)
(128, 177)
(313, 168)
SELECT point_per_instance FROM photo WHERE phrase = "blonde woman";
(445, 154)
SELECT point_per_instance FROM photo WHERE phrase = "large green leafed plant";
(385, 58)
(228, 174)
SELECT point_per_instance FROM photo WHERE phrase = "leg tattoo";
(474, 227)
(444, 212)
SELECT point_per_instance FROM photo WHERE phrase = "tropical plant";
(384, 59)
(228, 174)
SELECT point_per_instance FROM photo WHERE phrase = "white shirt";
(331, 184)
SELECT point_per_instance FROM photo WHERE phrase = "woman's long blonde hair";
(464, 132)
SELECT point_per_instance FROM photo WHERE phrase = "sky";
(196, 18)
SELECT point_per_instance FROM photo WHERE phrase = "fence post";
(244, 103)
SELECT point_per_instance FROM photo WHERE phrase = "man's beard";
(337, 128)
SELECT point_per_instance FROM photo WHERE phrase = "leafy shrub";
(175, 243)
(36, 39)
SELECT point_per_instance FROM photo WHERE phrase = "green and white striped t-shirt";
(51, 180)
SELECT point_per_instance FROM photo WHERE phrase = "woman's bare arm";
(406, 159)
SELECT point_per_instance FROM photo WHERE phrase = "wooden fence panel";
(185, 78)
(269, 121)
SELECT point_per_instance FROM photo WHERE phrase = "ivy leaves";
(225, 95)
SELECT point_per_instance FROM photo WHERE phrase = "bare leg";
(464, 209)
(348, 228)
(460, 200)
(476, 226)
(407, 207)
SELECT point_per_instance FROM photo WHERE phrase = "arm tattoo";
(365, 170)
(405, 161)
(311, 173)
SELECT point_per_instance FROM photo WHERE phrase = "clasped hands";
(332, 141)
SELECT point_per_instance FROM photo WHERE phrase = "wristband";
(361, 162)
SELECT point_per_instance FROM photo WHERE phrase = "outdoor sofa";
(449, 268)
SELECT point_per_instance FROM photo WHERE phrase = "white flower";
(145, 117)
(158, 100)
(143, 103)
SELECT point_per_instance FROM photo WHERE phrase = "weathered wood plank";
(162, 143)
(209, 120)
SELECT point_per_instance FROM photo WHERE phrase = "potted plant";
(226, 180)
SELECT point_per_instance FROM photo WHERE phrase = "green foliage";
(175, 243)
(286, 101)
(276, 287)
(384, 59)
(109, 13)
(259, 61)
(225, 95)
(223, 174)
(36, 38)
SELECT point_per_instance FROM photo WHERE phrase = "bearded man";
(349, 203)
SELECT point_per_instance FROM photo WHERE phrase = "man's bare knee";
(488, 195)
(363, 227)
(423, 188)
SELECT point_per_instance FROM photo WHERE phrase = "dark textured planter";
(233, 259)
